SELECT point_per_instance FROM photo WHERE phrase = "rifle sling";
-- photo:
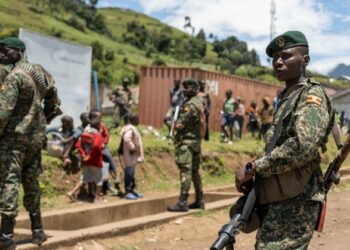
(272, 143)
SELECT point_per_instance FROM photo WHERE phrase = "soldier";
(22, 132)
(189, 129)
(176, 99)
(291, 185)
(205, 97)
(122, 100)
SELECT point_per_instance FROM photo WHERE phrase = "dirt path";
(200, 230)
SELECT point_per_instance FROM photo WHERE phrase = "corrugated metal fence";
(156, 83)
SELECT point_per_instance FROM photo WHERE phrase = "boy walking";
(90, 148)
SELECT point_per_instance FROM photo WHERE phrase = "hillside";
(124, 40)
(16, 13)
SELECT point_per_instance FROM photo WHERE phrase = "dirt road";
(199, 231)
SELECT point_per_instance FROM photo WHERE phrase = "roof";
(340, 94)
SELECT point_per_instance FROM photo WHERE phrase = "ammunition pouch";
(284, 186)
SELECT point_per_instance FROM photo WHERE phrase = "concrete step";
(69, 226)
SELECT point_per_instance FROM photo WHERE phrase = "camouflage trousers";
(120, 113)
(288, 224)
(187, 158)
(19, 165)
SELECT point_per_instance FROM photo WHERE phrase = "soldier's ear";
(306, 60)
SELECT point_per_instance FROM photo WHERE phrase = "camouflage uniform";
(22, 130)
(4, 71)
(121, 98)
(289, 224)
(188, 145)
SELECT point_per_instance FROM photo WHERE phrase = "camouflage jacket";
(189, 118)
(21, 115)
(306, 126)
(4, 71)
(121, 97)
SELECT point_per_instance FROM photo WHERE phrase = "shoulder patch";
(313, 99)
(186, 108)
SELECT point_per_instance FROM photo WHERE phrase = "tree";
(235, 53)
(97, 50)
(93, 2)
(201, 43)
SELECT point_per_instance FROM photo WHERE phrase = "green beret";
(191, 82)
(286, 40)
(12, 42)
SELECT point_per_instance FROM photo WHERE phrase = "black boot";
(38, 234)
(199, 202)
(181, 206)
(6, 237)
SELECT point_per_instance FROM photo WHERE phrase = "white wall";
(69, 64)
(342, 103)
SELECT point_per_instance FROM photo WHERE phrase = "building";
(156, 82)
(341, 101)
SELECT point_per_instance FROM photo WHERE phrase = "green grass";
(15, 14)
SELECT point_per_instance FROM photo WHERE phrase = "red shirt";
(90, 149)
(104, 133)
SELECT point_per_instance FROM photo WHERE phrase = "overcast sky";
(326, 23)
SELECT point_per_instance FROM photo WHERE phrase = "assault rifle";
(238, 222)
(240, 219)
(332, 176)
(173, 123)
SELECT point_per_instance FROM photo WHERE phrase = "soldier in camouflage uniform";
(188, 147)
(22, 132)
(122, 100)
(291, 190)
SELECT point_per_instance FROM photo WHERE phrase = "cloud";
(325, 65)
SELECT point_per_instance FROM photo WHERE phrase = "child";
(90, 149)
(132, 154)
(107, 157)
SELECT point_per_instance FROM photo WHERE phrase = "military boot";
(38, 234)
(181, 205)
(6, 237)
(199, 202)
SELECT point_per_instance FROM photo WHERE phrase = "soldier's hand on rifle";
(243, 177)
(179, 126)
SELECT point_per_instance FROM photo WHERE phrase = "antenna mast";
(273, 19)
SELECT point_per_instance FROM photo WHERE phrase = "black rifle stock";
(229, 231)
(331, 176)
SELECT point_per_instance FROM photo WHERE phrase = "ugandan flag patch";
(312, 99)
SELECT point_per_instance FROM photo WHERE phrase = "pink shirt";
(132, 146)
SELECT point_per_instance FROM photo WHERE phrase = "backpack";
(45, 84)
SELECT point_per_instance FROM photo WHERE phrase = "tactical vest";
(292, 183)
